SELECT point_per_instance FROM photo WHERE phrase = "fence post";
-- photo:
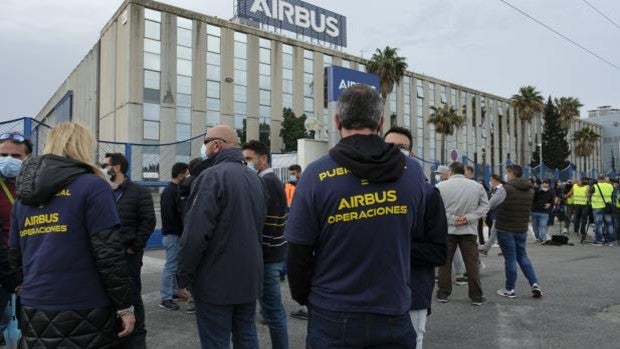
(464, 160)
(27, 127)
(128, 156)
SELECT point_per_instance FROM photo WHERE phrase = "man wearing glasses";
(221, 257)
(14, 148)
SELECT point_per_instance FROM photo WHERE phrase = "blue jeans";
(539, 224)
(216, 322)
(272, 308)
(168, 277)
(330, 329)
(513, 249)
(600, 218)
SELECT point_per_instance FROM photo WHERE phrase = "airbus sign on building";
(297, 17)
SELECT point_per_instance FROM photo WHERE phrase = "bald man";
(221, 259)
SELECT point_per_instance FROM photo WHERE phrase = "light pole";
(540, 159)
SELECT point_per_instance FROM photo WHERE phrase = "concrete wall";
(83, 81)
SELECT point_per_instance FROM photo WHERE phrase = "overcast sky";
(482, 44)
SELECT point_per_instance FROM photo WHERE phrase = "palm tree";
(585, 140)
(568, 110)
(528, 102)
(446, 120)
(389, 67)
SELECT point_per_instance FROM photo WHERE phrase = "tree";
(292, 129)
(528, 102)
(445, 120)
(389, 67)
(568, 110)
(242, 133)
(555, 148)
(585, 140)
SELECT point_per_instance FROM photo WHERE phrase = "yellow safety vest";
(598, 200)
(571, 200)
(580, 195)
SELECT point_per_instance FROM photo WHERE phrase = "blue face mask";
(9, 166)
(252, 168)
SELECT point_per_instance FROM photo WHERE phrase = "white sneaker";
(507, 293)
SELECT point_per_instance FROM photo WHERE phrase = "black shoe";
(301, 314)
(442, 299)
(168, 304)
(536, 291)
(478, 301)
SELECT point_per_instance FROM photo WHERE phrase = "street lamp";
(540, 156)
(312, 124)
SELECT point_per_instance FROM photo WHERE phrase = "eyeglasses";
(401, 146)
(211, 139)
(104, 165)
(13, 136)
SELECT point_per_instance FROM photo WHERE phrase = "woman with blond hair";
(75, 288)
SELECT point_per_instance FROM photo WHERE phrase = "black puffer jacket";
(39, 180)
(137, 214)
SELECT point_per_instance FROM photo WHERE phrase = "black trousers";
(137, 340)
(480, 233)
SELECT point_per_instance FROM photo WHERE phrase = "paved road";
(580, 308)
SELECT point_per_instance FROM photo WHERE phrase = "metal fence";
(151, 164)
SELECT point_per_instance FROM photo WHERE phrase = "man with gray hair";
(466, 202)
(350, 231)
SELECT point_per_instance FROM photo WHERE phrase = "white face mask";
(406, 152)
(203, 152)
(544, 189)
(506, 179)
(437, 178)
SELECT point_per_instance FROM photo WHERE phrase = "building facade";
(609, 119)
(161, 74)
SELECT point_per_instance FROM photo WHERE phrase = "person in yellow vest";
(615, 198)
(570, 205)
(294, 172)
(601, 197)
(579, 195)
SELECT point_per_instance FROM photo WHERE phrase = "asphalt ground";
(580, 307)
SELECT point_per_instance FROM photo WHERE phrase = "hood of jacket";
(195, 171)
(41, 177)
(520, 184)
(369, 157)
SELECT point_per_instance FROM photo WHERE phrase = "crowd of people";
(74, 234)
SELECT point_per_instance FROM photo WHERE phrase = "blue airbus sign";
(339, 78)
(298, 17)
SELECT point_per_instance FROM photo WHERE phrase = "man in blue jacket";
(221, 257)
(429, 245)
(350, 234)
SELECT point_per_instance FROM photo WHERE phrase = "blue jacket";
(221, 256)
(429, 248)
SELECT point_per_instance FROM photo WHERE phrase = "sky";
(480, 44)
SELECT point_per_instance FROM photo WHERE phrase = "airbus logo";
(297, 15)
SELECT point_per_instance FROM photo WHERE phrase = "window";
(184, 37)
(152, 68)
(151, 130)
(184, 84)
(151, 79)
(152, 30)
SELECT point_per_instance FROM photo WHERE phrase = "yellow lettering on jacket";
(41, 219)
